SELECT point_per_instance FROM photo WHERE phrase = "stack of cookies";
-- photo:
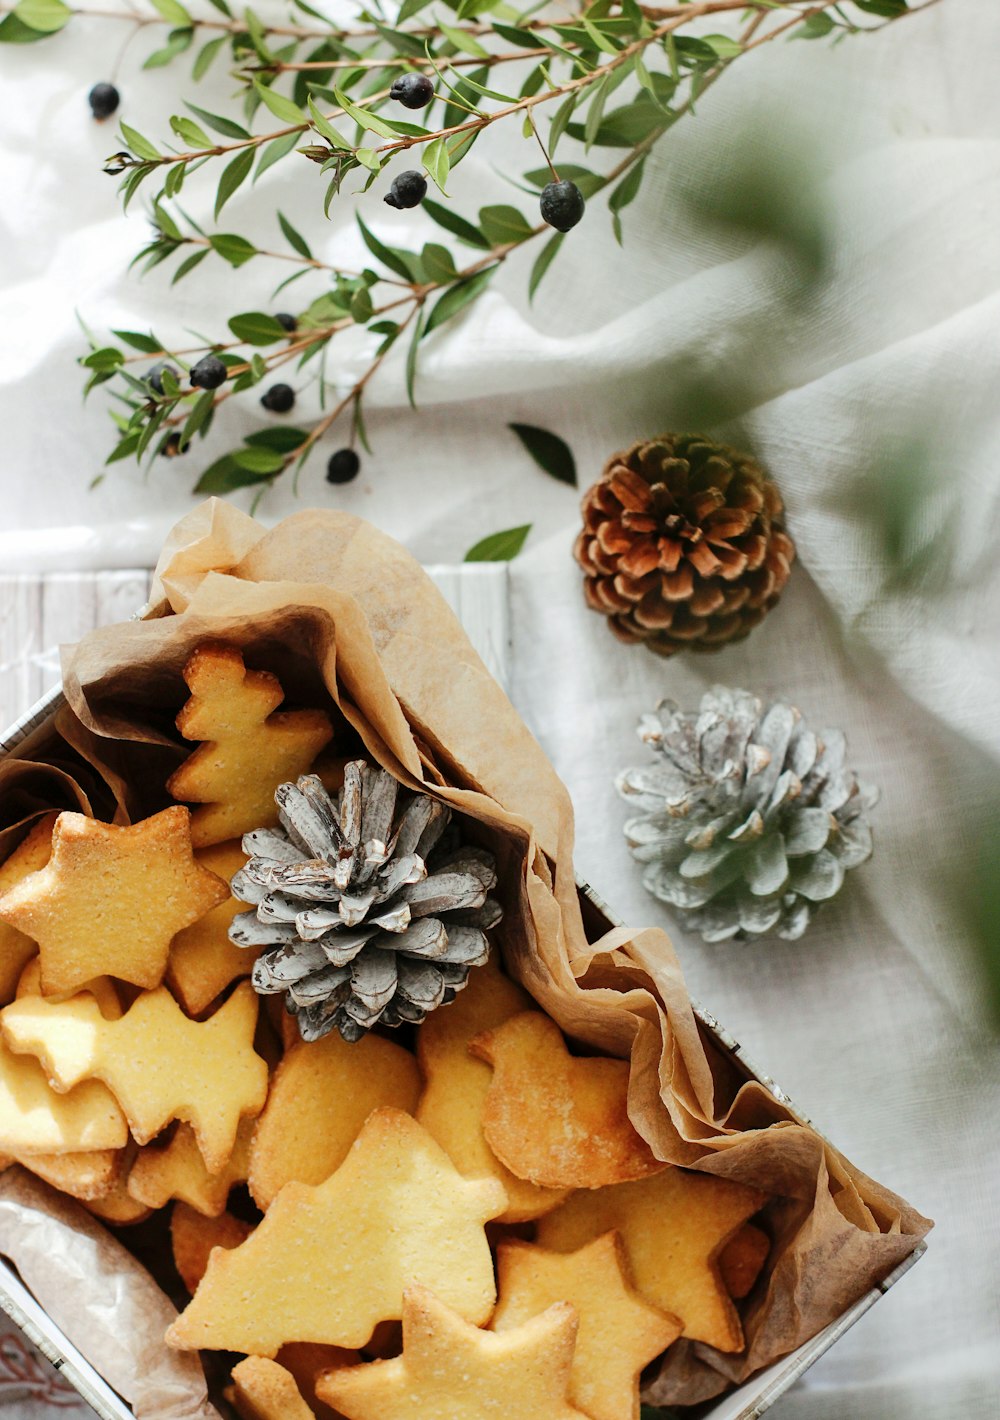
(451, 1221)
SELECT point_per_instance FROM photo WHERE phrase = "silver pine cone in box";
(747, 820)
(370, 909)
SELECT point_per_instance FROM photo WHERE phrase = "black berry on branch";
(154, 375)
(562, 205)
(343, 466)
(407, 190)
(172, 446)
(103, 100)
(278, 399)
(412, 90)
(209, 373)
(286, 321)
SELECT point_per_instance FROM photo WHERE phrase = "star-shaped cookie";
(673, 1226)
(619, 1331)
(450, 1370)
(109, 900)
(177, 1170)
(158, 1064)
(556, 1119)
(330, 1262)
(31, 854)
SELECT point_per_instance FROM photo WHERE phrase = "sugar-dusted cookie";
(86, 1175)
(742, 1258)
(263, 1390)
(619, 1331)
(102, 988)
(30, 855)
(159, 1064)
(456, 1086)
(34, 1119)
(450, 1370)
(193, 1236)
(247, 751)
(552, 1118)
(203, 961)
(673, 1226)
(109, 900)
(177, 1170)
(330, 1262)
(320, 1096)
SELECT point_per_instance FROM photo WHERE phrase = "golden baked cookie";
(193, 1236)
(31, 854)
(203, 961)
(177, 1170)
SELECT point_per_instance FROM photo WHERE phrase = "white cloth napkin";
(872, 1023)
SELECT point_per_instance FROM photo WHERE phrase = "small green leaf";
(368, 158)
(44, 16)
(361, 305)
(411, 359)
(257, 328)
(502, 223)
(173, 12)
(148, 344)
(294, 238)
(200, 415)
(388, 256)
(277, 149)
(364, 117)
(552, 454)
(255, 459)
(816, 26)
(522, 39)
(543, 262)
(188, 265)
(437, 163)
(324, 127)
(438, 263)
(206, 54)
(225, 476)
(455, 224)
(232, 247)
(889, 9)
(284, 438)
(124, 448)
(139, 145)
(235, 173)
(107, 358)
(724, 46)
(499, 546)
(464, 43)
(218, 124)
(279, 105)
(190, 132)
(457, 297)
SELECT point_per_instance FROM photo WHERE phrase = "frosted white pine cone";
(748, 820)
(370, 910)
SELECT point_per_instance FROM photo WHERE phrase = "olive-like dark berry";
(562, 205)
(412, 90)
(343, 466)
(154, 375)
(278, 399)
(209, 373)
(172, 446)
(103, 100)
(407, 190)
(287, 322)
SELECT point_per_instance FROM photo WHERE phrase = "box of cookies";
(326, 1090)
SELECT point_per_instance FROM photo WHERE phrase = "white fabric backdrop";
(872, 1024)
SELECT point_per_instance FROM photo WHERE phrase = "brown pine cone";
(683, 544)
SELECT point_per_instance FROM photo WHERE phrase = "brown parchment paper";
(338, 609)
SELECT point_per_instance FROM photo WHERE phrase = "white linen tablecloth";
(873, 1023)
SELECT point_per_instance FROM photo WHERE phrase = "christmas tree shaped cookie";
(110, 899)
(619, 1331)
(554, 1119)
(673, 1226)
(457, 1085)
(450, 1370)
(330, 1262)
(248, 750)
(31, 854)
(320, 1096)
(203, 961)
(158, 1064)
